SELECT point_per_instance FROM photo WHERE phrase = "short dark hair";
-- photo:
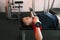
(25, 15)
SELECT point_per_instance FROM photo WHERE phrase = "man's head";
(26, 18)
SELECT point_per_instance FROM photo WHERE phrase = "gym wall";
(39, 5)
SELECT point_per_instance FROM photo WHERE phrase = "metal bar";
(44, 5)
(33, 5)
(12, 1)
(52, 4)
(48, 6)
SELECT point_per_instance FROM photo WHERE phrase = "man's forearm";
(38, 34)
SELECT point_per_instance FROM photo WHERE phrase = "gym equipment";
(52, 7)
(54, 10)
(38, 23)
(9, 9)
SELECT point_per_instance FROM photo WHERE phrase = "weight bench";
(23, 29)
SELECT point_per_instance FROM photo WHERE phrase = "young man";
(49, 21)
(27, 22)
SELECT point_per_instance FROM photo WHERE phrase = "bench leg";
(23, 35)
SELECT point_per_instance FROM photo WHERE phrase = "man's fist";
(36, 21)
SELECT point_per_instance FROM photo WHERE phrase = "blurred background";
(9, 29)
(39, 4)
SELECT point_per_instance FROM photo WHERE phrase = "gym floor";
(9, 30)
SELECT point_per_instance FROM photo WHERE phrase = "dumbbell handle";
(37, 22)
(39, 34)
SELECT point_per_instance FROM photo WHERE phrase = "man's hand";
(36, 22)
(35, 19)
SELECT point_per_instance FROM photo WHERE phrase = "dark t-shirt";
(49, 21)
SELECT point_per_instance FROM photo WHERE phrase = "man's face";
(27, 20)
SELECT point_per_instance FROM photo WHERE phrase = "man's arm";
(38, 34)
(37, 30)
